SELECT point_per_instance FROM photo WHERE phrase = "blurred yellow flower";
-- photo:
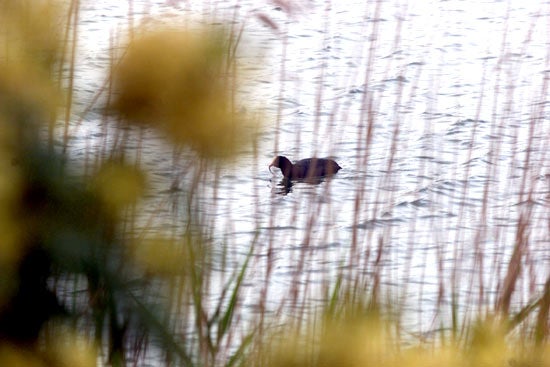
(30, 48)
(27, 95)
(36, 28)
(70, 349)
(182, 82)
(437, 357)
(487, 345)
(17, 357)
(119, 185)
(160, 256)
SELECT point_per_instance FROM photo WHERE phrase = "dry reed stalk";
(364, 140)
(72, 28)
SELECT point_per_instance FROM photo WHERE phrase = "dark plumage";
(305, 168)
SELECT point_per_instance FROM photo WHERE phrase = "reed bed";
(97, 270)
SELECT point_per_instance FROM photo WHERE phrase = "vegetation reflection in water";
(79, 288)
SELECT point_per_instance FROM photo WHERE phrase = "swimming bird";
(305, 168)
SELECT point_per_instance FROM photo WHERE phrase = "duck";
(305, 168)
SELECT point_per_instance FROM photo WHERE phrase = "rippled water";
(455, 95)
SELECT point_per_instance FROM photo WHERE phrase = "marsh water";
(438, 112)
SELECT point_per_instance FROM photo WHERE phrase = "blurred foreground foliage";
(75, 288)
(362, 333)
(187, 92)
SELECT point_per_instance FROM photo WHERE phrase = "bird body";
(305, 168)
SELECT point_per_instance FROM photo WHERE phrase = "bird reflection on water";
(285, 185)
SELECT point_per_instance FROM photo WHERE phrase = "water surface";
(454, 95)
